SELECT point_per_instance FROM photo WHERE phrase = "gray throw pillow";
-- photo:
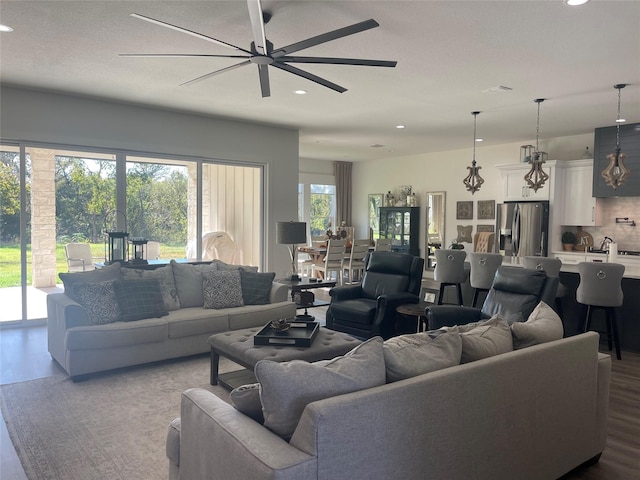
(222, 289)
(227, 266)
(410, 355)
(99, 301)
(543, 325)
(164, 276)
(188, 280)
(139, 299)
(246, 399)
(108, 272)
(256, 287)
(488, 338)
(287, 388)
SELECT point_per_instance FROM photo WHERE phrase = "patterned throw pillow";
(256, 287)
(99, 300)
(222, 289)
(164, 275)
(139, 299)
(109, 272)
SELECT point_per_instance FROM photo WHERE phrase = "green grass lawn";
(10, 260)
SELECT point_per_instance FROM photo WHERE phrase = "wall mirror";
(434, 234)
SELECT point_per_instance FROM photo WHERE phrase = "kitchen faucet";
(605, 243)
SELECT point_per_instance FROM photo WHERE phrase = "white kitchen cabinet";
(580, 208)
(514, 184)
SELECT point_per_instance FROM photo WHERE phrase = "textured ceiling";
(448, 52)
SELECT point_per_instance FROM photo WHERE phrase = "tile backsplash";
(626, 236)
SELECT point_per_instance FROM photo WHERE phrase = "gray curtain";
(342, 172)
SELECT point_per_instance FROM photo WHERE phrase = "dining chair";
(483, 242)
(354, 263)
(79, 257)
(336, 250)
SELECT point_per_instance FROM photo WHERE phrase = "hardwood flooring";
(24, 356)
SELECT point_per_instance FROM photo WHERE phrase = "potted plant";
(456, 246)
(568, 241)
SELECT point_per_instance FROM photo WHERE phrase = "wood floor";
(24, 356)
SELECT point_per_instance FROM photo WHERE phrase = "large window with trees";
(317, 203)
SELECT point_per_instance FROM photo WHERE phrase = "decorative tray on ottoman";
(301, 334)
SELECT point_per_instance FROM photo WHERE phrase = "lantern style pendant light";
(536, 177)
(616, 173)
(473, 181)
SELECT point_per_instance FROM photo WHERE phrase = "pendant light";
(616, 173)
(536, 177)
(473, 181)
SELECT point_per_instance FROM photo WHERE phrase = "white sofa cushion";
(488, 338)
(287, 388)
(410, 355)
(543, 325)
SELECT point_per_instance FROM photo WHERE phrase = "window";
(322, 208)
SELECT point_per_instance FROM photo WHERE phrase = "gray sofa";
(534, 413)
(82, 341)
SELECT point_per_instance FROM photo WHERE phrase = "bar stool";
(449, 271)
(483, 269)
(550, 266)
(601, 287)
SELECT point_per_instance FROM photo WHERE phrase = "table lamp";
(291, 233)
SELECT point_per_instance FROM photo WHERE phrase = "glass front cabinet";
(402, 226)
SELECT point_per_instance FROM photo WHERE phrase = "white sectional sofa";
(534, 413)
(90, 338)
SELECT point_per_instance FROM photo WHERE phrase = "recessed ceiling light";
(5, 28)
(575, 3)
(376, 145)
(299, 92)
(400, 126)
(621, 120)
(479, 139)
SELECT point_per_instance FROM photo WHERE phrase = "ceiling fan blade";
(338, 61)
(177, 55)
(309, 76)
(213, 74)
(264, 80)
(326, 37)
(257, 26)
(188, 32)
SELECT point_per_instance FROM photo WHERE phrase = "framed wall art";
(486, 209)
(485, 228)
(464, 233)
(464, 210)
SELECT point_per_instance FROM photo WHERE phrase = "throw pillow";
(109, 272)
(256, 287)
(246, 399)
(488, 338)
(188, 280)
(164, 275)
(227, 266)
(99, 300)
(287, 388)
(410, 355)
(543, 325)
(139, 299)
(222, 289)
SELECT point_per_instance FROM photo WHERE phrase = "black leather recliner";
(390, 279)
(514, 294)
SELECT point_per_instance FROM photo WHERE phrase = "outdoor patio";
(11, 310)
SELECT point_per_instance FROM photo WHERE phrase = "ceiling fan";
(262, 54)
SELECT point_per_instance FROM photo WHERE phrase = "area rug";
(111, 427)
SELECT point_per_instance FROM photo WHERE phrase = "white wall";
(35, 116)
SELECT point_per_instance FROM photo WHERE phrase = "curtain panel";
(342, 172)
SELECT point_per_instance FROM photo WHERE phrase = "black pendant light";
(473, 181)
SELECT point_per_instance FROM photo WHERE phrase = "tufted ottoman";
(237, 346)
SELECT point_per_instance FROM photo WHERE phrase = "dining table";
(317, 254)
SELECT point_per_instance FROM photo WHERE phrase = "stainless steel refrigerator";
(523, 228)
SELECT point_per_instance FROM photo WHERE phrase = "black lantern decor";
(118, 247)
(139, 246)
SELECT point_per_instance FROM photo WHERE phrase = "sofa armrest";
(602, 397)
(447, 315)
(384, 321)
(65, 312)
(217, 442)
(279, 293)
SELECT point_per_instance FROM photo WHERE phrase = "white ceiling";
(448, 52)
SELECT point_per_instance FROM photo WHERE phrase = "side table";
(306, 284)
(415, 310)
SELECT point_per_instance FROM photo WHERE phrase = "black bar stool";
(601, 287)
